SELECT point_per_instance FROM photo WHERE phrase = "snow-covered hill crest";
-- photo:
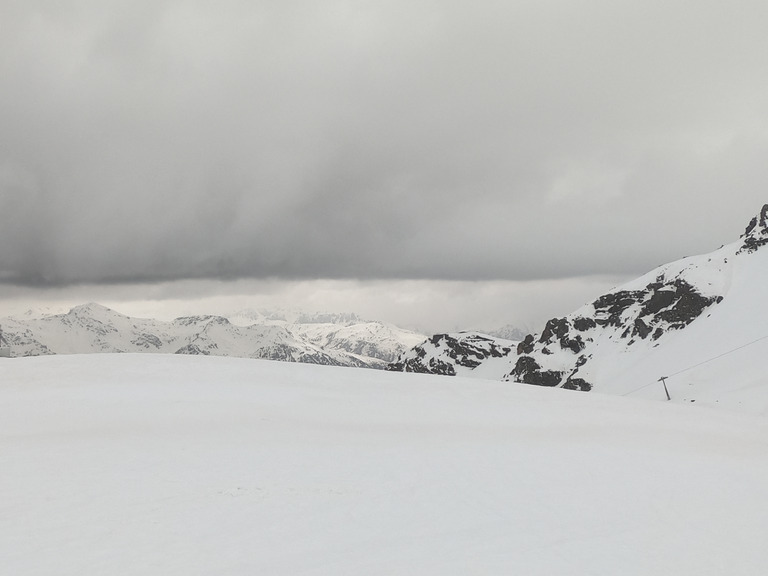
(335, 340)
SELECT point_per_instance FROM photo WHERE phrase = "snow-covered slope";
(94, 328)
(460, 353)
(131, 465)
(701, 321)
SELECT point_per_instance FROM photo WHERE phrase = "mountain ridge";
(328, 339)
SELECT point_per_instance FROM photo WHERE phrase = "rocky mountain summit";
(336, 340)
(756, 234)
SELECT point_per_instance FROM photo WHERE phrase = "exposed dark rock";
(192, 349)
(472, 349)
(641, 329)
(287, 353)
(626, 332)
(614, 303)
(575, 345)
(147, 340)
(439, 367)
(688, 306)
(528, 371)
(447, 351)
(191, 320)
(549, 378)
(577, 384)
(756, 234)
(582, 324)
(434, 366)
(658, 301)
(526, 346)
(664, 304)
(524, 365)
(557, 327)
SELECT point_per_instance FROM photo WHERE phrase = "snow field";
(151, 464)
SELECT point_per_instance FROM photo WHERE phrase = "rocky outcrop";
(417, 361)
(192, 349)
(445, 353)
(756, 234)
(556, 356)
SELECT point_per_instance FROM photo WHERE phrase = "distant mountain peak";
(90, 309)
(341, 318)
(756, 234)
(294, 316)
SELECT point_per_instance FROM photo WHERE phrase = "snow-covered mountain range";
(330, 339)
(700, 322)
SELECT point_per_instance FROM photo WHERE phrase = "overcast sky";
(395, 144)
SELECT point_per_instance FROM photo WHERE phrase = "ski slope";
(717, 360)
(188, 465)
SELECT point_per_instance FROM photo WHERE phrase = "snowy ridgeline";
(331, 339)
(702, 322)
(130, 465)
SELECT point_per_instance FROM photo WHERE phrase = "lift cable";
(699, 364)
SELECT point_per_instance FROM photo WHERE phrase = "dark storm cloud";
(146, 141)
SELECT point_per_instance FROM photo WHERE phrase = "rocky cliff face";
(457, 353)
(557, 355)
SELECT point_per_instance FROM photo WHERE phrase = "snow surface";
(717, 360)
(181, 465)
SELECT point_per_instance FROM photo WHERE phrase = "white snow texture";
(189, 465)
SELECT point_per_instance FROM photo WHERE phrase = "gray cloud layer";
(158, 140)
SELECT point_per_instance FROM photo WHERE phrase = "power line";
(699, 364)
(718, 356)
(638, 389)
